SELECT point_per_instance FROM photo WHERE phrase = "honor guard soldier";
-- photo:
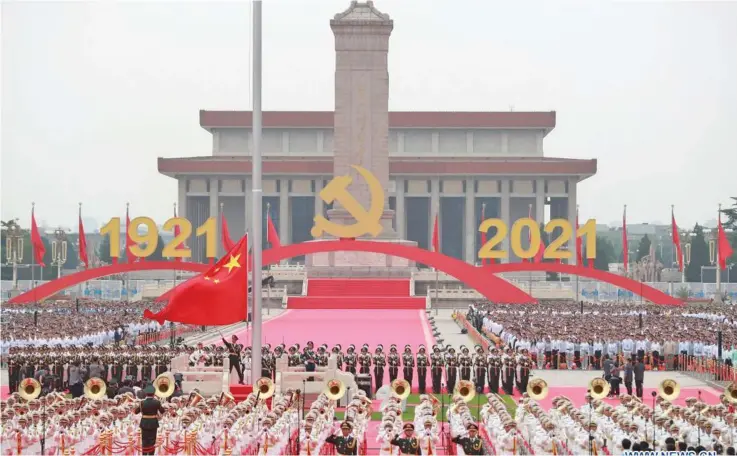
(294, 359)
(131, 366)
(162, 361)
(525, 365)
(408, 361)
(379, 363)
(279, 350)
(494, 362)
(150, 408)
(14, 368)
(364, 360)
(116, 370)
(351, 359)
(268, 360)
(234, 357)
(322, 356)
(436, 368)
(393, 361)
(338, 352)
(480, 364)
(146, 368)
(508, 371)
(422, 363)
(465, 361)
(407, 443)
(451, 369)
(472, 444)
(345, 443)
(309, 351)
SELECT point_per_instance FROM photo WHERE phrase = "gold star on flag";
(233, 263)
(216, 281)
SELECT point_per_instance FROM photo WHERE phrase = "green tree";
(605, 254)
(643, 248)
(699, 255)
(731, 214)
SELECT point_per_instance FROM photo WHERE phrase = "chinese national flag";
(177, 232)
(272, 236)
(483, 233)
(82, 242)
(436, 235)
(723, 248)
(39, 249)
(675, 236)
(625, 247)
(217, 297)
(227, 242)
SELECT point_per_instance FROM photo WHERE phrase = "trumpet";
(29, 388)
(95, 388)
(599, 388)
(669, 389)
(730, 393)
(194, 398)
(265, 386)
(401, 388)
(466, 390)
(226, 399)
(537, 389)
(335, 389)
(164, 385)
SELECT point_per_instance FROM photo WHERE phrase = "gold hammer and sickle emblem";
(367, 222)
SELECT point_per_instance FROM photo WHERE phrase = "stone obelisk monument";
(361, 126)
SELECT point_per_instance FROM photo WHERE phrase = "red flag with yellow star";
(217, 297)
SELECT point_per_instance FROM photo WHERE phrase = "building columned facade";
(450, 163)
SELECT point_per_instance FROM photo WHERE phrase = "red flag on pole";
(724, 250)
(177, 231)
(676, 238)
(625, 246)
(128, 241)
(483, 233)
(436, 235)
(538, 258)
(579, 243)
(39, 249)
(272, 236)
(213, 298)
(82, 241)
(227, 242)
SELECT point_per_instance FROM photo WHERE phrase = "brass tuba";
(730, 393)
(334, 390)
(599, 388)
(465, 390)
(164, 385)
(401, 388)
(669, 389)
(265, 387)
(29, 389)
(537, 389)
(95, 388)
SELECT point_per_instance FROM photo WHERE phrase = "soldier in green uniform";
(149, 408)
(408, 443)
(472, 444)
(345, 443)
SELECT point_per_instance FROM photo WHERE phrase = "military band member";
(322, 356)
(57, 369)
(525, 365)
(146, 368)
(131, 366)
(234, 356)
(14, 369)
(345, 443)
(472, 444)
(508, 371)
(407, 443)
(309, 350)
(408, 361)
(379, 363)
(150, 408)
(351, 359)
(294, 359)
(422, 363)
(393, 361)
(162, 361)
(364, 360)
(480, 364)
(451, 368)
(495, 369)
(338, 352)
(116, 371)
(465, 361)
(198, 357)
(436, 368)
(268, 362)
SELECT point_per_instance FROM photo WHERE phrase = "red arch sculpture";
(481, 279)
(50, 288)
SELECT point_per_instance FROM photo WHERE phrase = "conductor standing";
(150, 408)
(234, 356)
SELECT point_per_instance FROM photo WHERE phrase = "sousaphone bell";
(265, 387)
(164, 385)
(669, 389)
(730, 393)
(599, 388)
(29, 389)
(401, 388)
(537, 389)
(466, 390)
(95, 388)
(334, 390)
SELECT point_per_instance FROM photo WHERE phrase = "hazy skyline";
(93, 93)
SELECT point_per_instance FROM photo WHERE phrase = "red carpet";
(357, 294)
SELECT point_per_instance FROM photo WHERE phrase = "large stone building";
(451, 162)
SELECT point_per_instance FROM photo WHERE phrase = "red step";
(355, 302)
(358, 287)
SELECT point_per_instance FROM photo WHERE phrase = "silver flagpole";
(256, 215)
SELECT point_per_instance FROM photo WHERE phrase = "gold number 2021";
(552, 251)
(145, 244)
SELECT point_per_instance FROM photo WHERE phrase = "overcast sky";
(93, 93)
